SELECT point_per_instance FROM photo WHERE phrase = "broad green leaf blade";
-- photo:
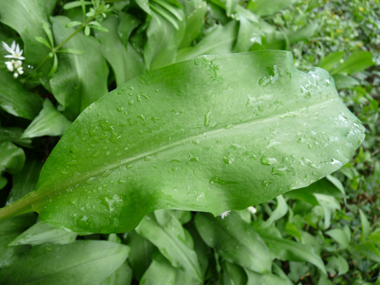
(140, 254)
(80, 79)
(115, 52)
(9, 230)
(122, 276)
(12, 158)
(170, 240)
(302, 34)
(189, 136)
(340, 237)
(235, 240)
(49, 122)
(26, 180)
(15, 100)
(163, 40)
(41, 233)
(220, 40)
(13, 134)
(375, 237)
(287, 250)
(195, 12)
(269, 7)
(356, 62)
(78, 263)
(26, 17)
(331, 60)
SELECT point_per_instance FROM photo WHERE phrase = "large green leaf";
(235, 240)
(122, 276)
(190, 136)
(356, 62)
(81, 262)
(15, 99)
(80, 79)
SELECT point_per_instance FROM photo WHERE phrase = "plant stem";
(21, 206)
(59, 46)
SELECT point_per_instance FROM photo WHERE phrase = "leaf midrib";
(166, 148)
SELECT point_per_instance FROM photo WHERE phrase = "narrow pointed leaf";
(169, 239)
(43, 41)
(278, 213)
(339, 236)
(49, 122)
(163, 40)
(41, 233)
(235, 240)
(366, 227)
(13, 134)
(220, 40)
(78, 263)
(189, 136)
(287, 250)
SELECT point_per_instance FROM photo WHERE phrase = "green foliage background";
(327, 233)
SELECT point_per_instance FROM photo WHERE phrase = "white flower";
(252, 210)
(225, 214)
(14, 50)
(9, 65)
(15, 66)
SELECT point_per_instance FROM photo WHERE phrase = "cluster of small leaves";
(327, 233)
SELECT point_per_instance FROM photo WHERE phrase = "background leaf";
(81, 262)
(234, 240)
(73, 85)
(15, 100)
(49, 122)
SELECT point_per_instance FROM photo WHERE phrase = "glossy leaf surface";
(81, 262)
(211, 134)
